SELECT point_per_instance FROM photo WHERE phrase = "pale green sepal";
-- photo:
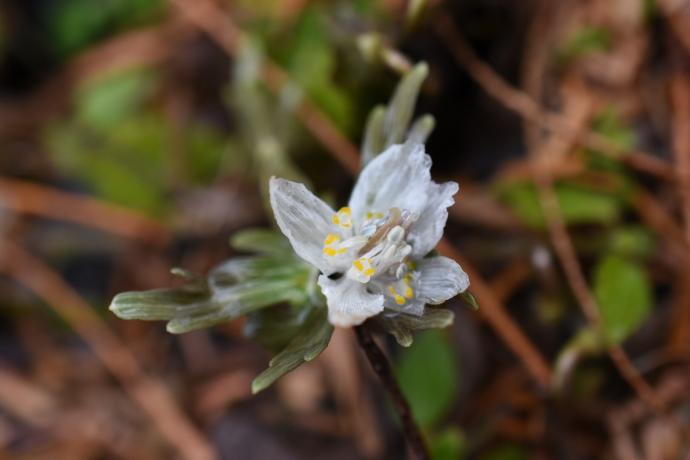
(401, 108)
(374, 138)
(421, 129)
(469, 298)
(402, 326)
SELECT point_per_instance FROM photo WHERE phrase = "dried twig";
(518, 101)
(382, 368)
(34, 199)
(493, 311)
(579, 112)
(153, 397)
(680, 96)
(571, 130)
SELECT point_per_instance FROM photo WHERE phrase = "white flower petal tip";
(349, 303)
(303, 218)
(440, 279)
(398, 178)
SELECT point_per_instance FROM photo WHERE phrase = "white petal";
(304, 219)
(349, 303)
(399, 177)
(440, 279)
(428, 229)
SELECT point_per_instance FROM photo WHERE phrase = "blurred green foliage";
(311, 59)
(126, 150)
(586, 40)
(449, 444)
(507, 452)
(75, 24)
(624, 295)
(578, 204)
(428, 374)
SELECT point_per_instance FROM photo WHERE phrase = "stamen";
(396, 234)
(400, 300)
(405, 284)
(343, 218)
(362, 270)
(382, 231)
(330, 246)
(409, 292)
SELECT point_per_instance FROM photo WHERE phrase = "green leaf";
(106, 99)
(507, 452)
(587, 40)
(161, 304)
(428, 377)
(74, 24)
(234, 288)
(311, 61)
(274, 327)
(402, 326)
(624, 294)
(578, 204)
(611, 125)
(632, 241)
(311, 339)
(448, 445)
(586, 342)
(123, 163)
(261, 240)
(204, 150)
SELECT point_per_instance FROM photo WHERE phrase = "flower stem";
(382, 368)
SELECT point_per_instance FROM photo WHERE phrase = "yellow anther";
(363, 265)
(330, 239)
(328, 247)
(408, 292)
(400, 300)
(343, 217)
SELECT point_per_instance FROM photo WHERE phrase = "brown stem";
(382, 368)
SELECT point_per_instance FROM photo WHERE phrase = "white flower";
(371, 253)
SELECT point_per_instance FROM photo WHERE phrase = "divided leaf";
(311, 339)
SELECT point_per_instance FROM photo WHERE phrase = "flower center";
(377, 246)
